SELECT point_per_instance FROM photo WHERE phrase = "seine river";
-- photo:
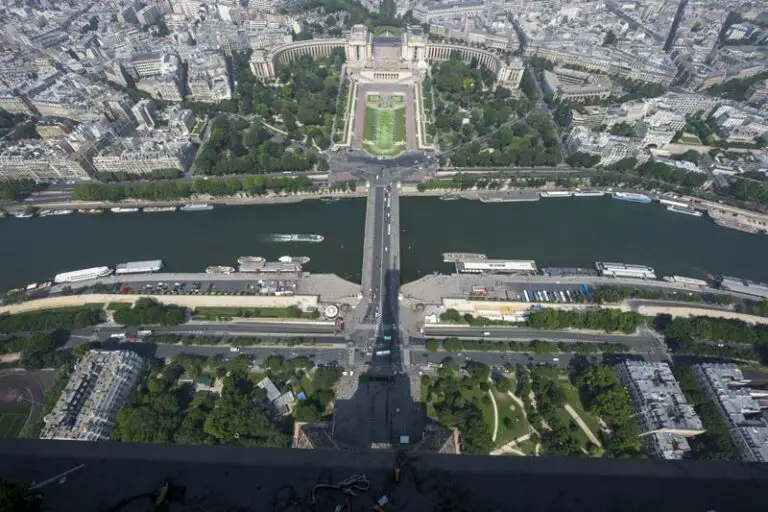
(554, 232)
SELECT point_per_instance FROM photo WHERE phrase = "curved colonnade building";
(388, 58)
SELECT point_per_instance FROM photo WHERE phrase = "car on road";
(556, 359)
(486, 333)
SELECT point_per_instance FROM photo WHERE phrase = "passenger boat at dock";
(684, 210)
(219, 269)
(556, 193)
(123, 210)
(196, 207)
(152, 209)
(632, 197)
(91, 211)
(449, 197)
(588, 193)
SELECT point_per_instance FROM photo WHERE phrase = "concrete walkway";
(495, 416)
(511, 447)
(582, 425)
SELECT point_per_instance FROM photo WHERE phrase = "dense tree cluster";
(527, 143)
(722, 337)
(580, 159)
(605, 398)
(462, 181)
(675, 175)
(737, 88)
(535, 346)
(609, 320)
(64, 318)
(236, 146)
(304, 105)
(623, 130)
(161, 411)
(455, 410)
(252, 185)
(716, 442)
(559, 438)
(15, 190)
(757, 308)
(149, 312)
(746, 190)
(38, 350)
(466, 104)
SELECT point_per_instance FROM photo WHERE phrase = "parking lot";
(564, 293)
(183, 287)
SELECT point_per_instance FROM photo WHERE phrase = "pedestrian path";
(590, 435)
(512, 446)
(495, 416)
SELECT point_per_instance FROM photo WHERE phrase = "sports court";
(13, 413)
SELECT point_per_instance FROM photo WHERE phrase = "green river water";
(554, 232)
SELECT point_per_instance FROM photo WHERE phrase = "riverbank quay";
(305, 302)
(432, 289)
(329, 288)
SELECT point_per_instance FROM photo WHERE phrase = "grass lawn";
(509, 409)
(689, 138)
(527, 447)
(384, 129)
(572, 397)
(12, 418)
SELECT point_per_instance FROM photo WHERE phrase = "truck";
(383, 352)
(117, 335)
(144, 332)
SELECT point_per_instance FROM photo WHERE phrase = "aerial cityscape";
(383, 254)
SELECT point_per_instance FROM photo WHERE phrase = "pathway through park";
(495, 416)
(581, 424)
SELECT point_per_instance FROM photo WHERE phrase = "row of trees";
(716, 442)
(616, 294)
(535, 346)
(161, 411)
(708, 336)
(16, 190)
(238, 341)
(63, 318)
(609, 320)
(149, 312)
(675, 175)
(605, 398)
(252, 185)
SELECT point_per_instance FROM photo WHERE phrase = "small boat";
(22, 215)
(91, 211)
(61, 212)
(449, 197)
(301, 260)
(330, 199)
(219, 269)
(557, 193)
(251, 259)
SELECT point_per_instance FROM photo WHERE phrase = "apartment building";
(610, 148)
(758, 92)
(207, 78)
(154, 63)
(686, 104)
(738, 404)
(666, 420)
(40, 160)
(570, 85)
(144, 112)
(99, 386)
(142, 156)
(163, 87)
